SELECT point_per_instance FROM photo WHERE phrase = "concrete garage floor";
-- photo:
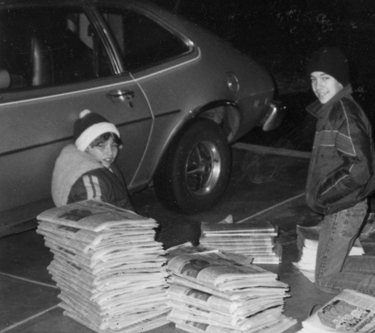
(264, 186)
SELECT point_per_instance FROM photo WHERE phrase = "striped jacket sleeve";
(87, 188)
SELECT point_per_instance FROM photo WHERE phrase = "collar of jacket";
(318, 109)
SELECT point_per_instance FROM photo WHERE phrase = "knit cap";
(89, 126)
(332, 61)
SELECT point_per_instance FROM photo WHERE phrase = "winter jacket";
(341, 171)
(77, 177)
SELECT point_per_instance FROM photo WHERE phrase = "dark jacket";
(341, 171)
(77, 177)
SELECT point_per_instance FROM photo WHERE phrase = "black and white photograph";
(171, 166)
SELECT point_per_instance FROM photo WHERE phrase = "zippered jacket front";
(342, 165)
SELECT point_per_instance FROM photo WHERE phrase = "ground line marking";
(28, 280)
(28, 319)
(271, 150)
(270, 208)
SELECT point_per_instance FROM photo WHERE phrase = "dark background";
(281, 35)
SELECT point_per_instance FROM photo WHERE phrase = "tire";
(195, 170)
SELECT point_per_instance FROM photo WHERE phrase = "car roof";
(62, 2)
(184, 26)
(137, 3)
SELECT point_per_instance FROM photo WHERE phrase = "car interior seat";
(41, 62)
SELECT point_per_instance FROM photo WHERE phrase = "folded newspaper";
(95, 216)
(214, 269)
(109, 269)
(350, 311)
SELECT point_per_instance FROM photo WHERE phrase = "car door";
(156, 55)
(54, 63)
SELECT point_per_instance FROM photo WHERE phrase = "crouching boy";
(87, 170)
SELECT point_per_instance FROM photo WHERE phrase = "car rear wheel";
(195, 170)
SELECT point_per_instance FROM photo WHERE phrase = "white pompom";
(84, 113)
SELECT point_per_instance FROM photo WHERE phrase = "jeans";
(335, 270)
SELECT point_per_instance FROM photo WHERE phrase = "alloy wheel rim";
(203, 168)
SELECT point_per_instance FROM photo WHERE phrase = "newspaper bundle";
(255, 239)
(307, 243)
(219, 293)
(350, 311)
(110, 271)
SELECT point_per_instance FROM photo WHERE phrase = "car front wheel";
(195, 170)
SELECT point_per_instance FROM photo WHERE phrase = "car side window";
(47, 46)
(143, 42)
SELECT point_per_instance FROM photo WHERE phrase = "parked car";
(178, 94)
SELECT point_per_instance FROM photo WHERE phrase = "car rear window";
(143, 42)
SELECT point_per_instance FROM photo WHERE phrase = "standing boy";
(341, 174)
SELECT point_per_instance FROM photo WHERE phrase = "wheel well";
(227, 116)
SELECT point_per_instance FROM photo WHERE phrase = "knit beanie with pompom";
(89, 126)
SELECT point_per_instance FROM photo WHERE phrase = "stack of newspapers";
(307, 244)
(111, 272)
(216, 292)
(255, 239)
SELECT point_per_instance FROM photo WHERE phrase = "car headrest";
(4, 79)
(41, 62)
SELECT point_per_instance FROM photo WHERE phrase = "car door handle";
(120, 95)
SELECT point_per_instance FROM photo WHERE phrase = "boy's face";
(324, 86)
(105, 153)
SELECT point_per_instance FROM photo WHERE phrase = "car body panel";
(182, 75)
